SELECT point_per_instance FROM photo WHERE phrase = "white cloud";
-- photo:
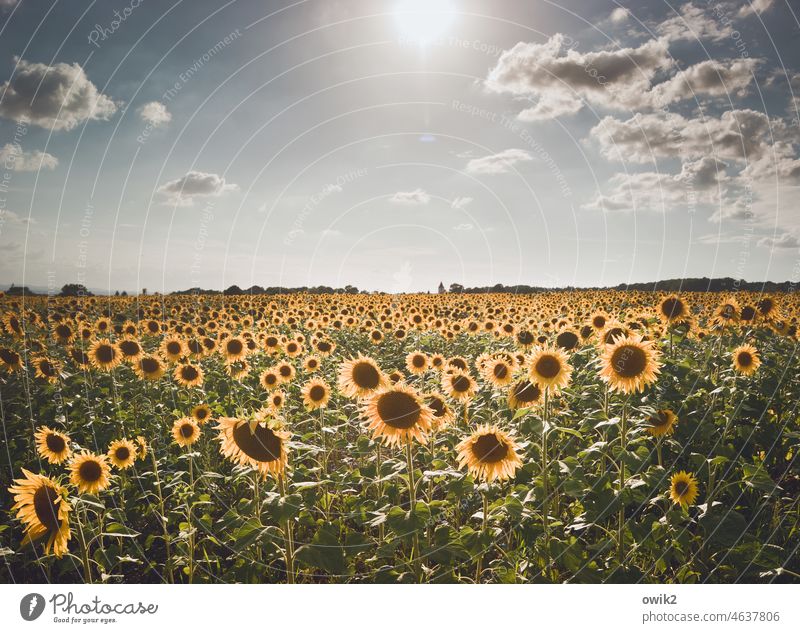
(14, 158)
(693, 23)
(58, 97)
(620, 15)
(498, 163)
(551, 106)
(155, 114)
(416, 197)
(785, 240)
(752, 7)
(195, 184)
(460, 202)
(723, 77)
(10, 217)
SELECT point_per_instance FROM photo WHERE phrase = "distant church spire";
(441, 288)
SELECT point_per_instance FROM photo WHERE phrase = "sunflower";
(47, 369)
(767, 308)
(269, 379)
(417, 362)
(316, 394)
(148, 368)
(311, 364)
(360, 377)
(683, 488)
(185, 431)
(43, 507)
(10, 359)
(459, 385)
(201, 413)
(489, 454)
(442, 413)
(524, 393)
(188, 375)
(234, 349)
(63, 334)
(661, 422)
(105, 355)
(499, 372)
(259, 443)
(142, 446)
(672, 309)
(630, 364)
(549, 368)
(568, 339)
(726, 313)
(130, 349)
(52, 445)
(286, 371)
(276, 400)
(238, 369)
(397, 415)
(173, 349)
(90, 473)
(746, 360)
(122, 453)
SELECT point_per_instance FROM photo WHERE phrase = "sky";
(394, 144)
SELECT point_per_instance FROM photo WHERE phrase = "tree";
(232, 290)
(456, 289)
(75, 290)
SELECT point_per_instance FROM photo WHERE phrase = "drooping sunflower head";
(260, 443)
(52, 445)
(316, 394)
(397, 415)
(683, 488)
(550, 368)
(661, 422)
(185, 431)
(47, 369)
(489, 454)
(90, 473)
(42, 505)
(122, 453)
(11, 361)
(524, 393)
(442, 413)
(746, 360)
(360, 377)
(630, 364)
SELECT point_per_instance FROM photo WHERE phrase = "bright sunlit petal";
(423, 21)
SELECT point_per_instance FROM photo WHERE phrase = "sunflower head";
(52, 445)
(260, 443)
(316, 394)
(683, 488)
(661, 422)
(630, 364)
(442, 413)
(42, 505)
(185, 431)
(188, 375)
(360, 377)
(550, 368)
(201, 413)
(90, 473)
(458, 385)
(524, 393)
(746, 360)
(397, 415)
(489, 454)
(122, 453)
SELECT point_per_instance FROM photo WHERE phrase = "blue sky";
(393, 144)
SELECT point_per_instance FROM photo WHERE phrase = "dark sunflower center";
(122, 453)
(659, 419)
(398, 410)
(8, 356)
(612, 334)
(195, 346)
(291, 348)
(188, 372)
(366, 376)
(548, 366)
(489, 449)
(500, 370)
(748, 313)
(46, 367)
(174, 348)
(270, 379)
(745, 359)
(201, 414)
(262, 445)
(44, 504)
(765, 306)
(672, 308)
(418, 361)
(62, 331)
(272, 341)
(460, 384)
(437, 406)
(285, 371)
(149, 365)
(90, 471)
(234, 347)
(312, 364)
(55, 443)
(324, 346)
(567, 340)
(681, 488)
(316, 393)
(526, 391)
(629, 361)
(525, 337)
(599, 322)
(129, 348)
(104, 353)
(187, 430)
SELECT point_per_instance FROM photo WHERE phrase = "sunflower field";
(560, 437)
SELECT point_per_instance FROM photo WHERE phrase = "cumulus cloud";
(195, 184)
(411, 198)
(498, 163)
(551, 106)
(14, 158)
(58, 97)
(155, 114)
(619, 15)
(786, 240)
(693, 23)
(460, 202)
(10, 217)
(711, 77)
(752, 7)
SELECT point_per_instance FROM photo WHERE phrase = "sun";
(423, 21)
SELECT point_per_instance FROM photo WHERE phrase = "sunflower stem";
(412, 501)
(484, 526)
(162, 517)
(189, 514)
(545, 483)
(658, 451)
(289, 537)
(87, 570)
(623, 436)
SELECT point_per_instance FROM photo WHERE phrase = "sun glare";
(423, 21)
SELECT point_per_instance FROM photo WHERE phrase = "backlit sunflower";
(47, 369)
(185, 431)
(416, 362)
(442, 413)
(360, 377)
(746, 360)
(52, 445)
(90, 473)
(316, 394)
(459, 385)
(201, 413)
(683, 488)
(672, 309)
(630, 364)
(524, 393)
(188, 375)
(549, 367)
(260, 443)
(43, 508)
(269, 379)
(234, 349)
(661, 422)
(104, 355)
(173, 349)
(311, 364)
(499, 372)
(122, 453)
(148, 368)
(397, 415)
(130, 349)
(11, 361)
(489, 454)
